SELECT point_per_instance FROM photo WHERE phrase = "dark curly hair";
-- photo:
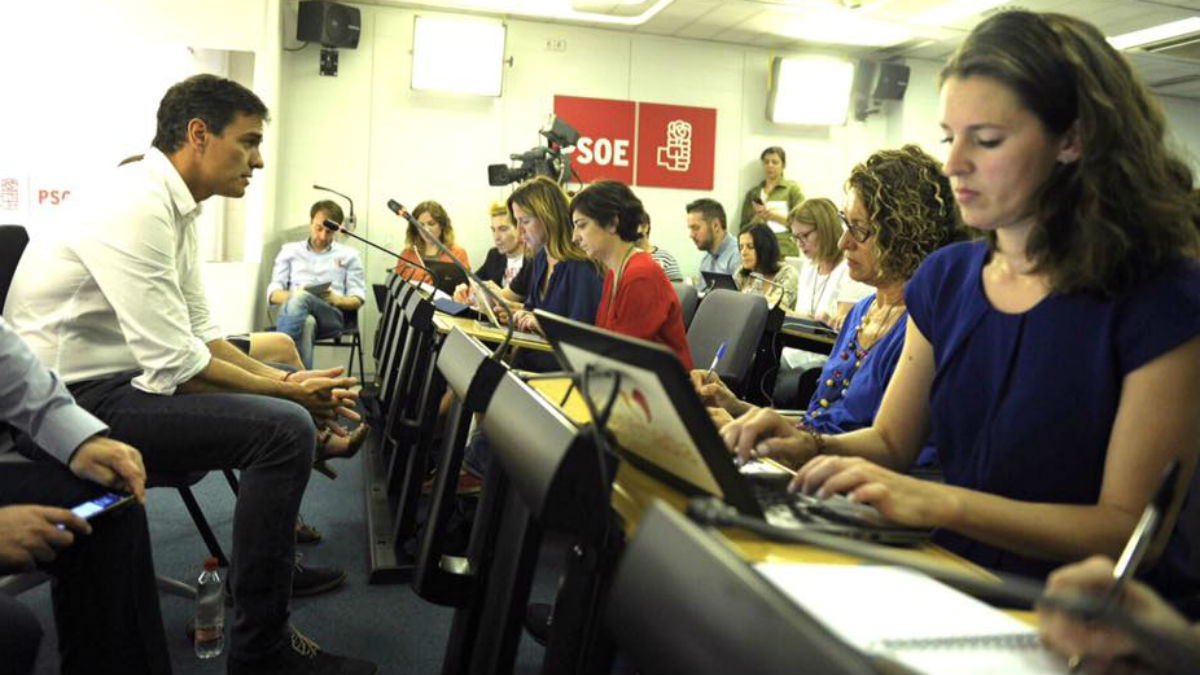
(611, 202)
(213, 99)
(766, 250)
(1115, 216)
(910, 204)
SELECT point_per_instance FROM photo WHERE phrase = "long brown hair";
(412, 238)
(1118, 214)
(546, 201)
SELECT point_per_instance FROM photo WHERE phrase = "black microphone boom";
(351, 222)
(398, 209)
(330, 225)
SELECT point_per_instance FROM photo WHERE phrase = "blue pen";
(717, 358)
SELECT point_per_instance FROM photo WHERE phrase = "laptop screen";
(657, 417)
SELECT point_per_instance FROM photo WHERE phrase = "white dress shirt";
(298, 265)
(119, 288)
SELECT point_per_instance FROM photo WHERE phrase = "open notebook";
(907, 617)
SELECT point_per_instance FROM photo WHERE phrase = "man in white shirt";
(706, 226)
(115, 304)
(318, 260)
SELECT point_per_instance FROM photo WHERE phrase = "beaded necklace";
(853, 356)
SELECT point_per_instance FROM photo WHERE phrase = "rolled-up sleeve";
(134, 266)
(281, 275)
(34, 400)
(356, 285)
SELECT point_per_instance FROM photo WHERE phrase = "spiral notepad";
(907, 617)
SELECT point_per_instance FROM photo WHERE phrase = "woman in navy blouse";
(899, 210)
(562, 279)
(1057, 360)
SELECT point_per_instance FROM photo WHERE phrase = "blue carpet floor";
(390, 625)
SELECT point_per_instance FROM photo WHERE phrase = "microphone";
(398, 209)
(758, 277)
(351, 223)
(330, 225)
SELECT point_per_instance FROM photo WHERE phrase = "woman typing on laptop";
(899, 212)
(1055, 363)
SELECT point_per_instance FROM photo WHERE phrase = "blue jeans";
(270, 440)
(294, 321)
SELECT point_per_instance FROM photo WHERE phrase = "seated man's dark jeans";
(270, 440)
(295, 312)
(105, 596)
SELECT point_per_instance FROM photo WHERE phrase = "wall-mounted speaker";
(329, 23)
(891, 82)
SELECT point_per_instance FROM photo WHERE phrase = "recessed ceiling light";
(1154, 34)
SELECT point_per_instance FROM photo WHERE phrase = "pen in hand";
(716, 359)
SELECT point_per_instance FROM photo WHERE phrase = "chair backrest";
(735, 319)
(13, 240)
(689, 300)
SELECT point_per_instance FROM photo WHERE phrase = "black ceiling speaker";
(329, 23)
(891, 82)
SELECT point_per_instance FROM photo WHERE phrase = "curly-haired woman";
(899, 210)
(1057, 360)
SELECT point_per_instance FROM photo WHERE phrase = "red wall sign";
(676, 146)
(606, 146)
(672, 146)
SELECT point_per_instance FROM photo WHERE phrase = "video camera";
(550, 160)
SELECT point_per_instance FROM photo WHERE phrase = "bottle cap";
(210, 564)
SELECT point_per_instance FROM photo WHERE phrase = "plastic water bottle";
(210, 612)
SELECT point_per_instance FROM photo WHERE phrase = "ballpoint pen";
(716, 359)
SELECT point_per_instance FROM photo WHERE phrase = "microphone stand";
(398, 209)
(330, 225)
(351, 223)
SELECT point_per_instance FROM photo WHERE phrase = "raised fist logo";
(676, 155)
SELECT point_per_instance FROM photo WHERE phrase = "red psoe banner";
(676, 146)
(607, 136)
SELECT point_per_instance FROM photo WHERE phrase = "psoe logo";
(10, 194)
(676, 155)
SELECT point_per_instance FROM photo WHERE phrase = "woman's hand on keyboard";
(762, 432)
(901, 499)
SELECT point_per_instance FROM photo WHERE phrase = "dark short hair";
(1120, 213)
(774, 150)
(611, 202)
(766, 248)
(710, 210)
(332, 210)
(215, 100)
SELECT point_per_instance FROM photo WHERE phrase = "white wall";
(82, 83)
(366, 133)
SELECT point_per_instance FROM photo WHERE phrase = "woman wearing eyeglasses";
(899, 211)
(1055, 363)
(816, 226)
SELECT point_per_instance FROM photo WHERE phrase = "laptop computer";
(719, 280)
(449, 276)
(490, 323)
(664, 429)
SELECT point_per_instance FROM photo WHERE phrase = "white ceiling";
(765, 23)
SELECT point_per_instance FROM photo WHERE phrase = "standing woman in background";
(1056, 361)
(638, 299)
(762, 272)
(770, 202)
(434, 218)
